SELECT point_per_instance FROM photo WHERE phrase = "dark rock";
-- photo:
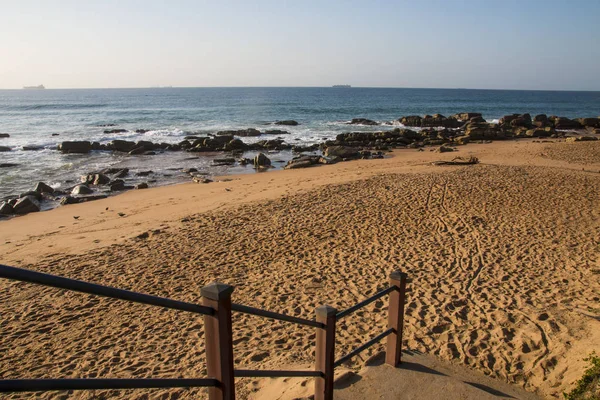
(100, 179)
(565, 123)
(362, 121)
(142, 130)
(223, 161)
(4, 148)
(32, 148)
(189, 170)
(275, 132)
(465, 116)
(261, 160)
(4, 135)
(589, 122)
(78, 147)
(288, 122)
(150, 153)
(235, 144)
(142, 185)
(144, 173)
(329, 160)
(81, 189)
(341, 151)
(41, 187)
(411, 120)
(445, 149)
(26, 205)
(33, 193)
(121, 145)
(137, 151)
(302, 162)
(6, 208)
(538, 132)
(81, 199)
(115, 131)
(302, 149)
(55, 134)
(8, 165)
(117, 185)
(245, 161)
(199, 179)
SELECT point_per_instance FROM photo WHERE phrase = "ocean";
(31, 117)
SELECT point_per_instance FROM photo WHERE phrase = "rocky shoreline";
(429, 130)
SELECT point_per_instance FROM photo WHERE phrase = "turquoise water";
(31, 117)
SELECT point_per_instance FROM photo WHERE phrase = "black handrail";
(36, 385)
(248, 373)
(363, 347)
(274, 315)
(26, 275)
(365, 302)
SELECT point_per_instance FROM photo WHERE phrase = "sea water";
(31, 117)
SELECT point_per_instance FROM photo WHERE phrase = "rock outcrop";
(77, 147)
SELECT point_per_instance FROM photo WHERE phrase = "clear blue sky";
(471, 44)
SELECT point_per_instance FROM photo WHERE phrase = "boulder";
(465, 116)
(4, 135)
(124, 146)
(81, 199)
(362, 121)
(41, 187)
(462, 140)
(116, 172)
(250, 132)
(288, 122)
(328, 160)
(261, 160)
(32, 148)
(538, 132)
(275, 132)
(115, 131)
(8, 165)
(78, 147)
(81, 189)
(589, 122)
(341, 151)
(6, 208)
(142, 185)
(33, 193)
(4, 148)
(100, 179)
(117, 185)
(565, 123)
(26, 205)
(411, 120)
(303, 162)
(235, 144)
(137, 151)
(144, 173)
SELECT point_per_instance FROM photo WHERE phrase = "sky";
(493, 44)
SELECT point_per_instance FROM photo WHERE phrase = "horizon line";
(300, 87)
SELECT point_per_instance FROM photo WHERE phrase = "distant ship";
(341, 86)
(39, 87)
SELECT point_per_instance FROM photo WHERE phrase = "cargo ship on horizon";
(38, 87)
(341, 86)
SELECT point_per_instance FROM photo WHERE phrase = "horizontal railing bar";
(248, 373)
(41, 278)
(366, 302)
(35, 385)
(274, 315)
(362, 348)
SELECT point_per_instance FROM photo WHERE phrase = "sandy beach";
(503, 259)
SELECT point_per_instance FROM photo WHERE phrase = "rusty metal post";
(393, 353)
(218, 338)
(325, 353)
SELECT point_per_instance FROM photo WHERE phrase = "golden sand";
(503, 259)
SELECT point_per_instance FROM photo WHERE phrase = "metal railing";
(217, 310)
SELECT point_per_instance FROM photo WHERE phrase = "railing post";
(325, 353)
(218, 337)
(393, 354)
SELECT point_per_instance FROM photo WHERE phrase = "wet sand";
(503, 261)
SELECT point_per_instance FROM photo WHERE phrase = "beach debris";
(458, 161)
(261, 161)
(142, 185)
